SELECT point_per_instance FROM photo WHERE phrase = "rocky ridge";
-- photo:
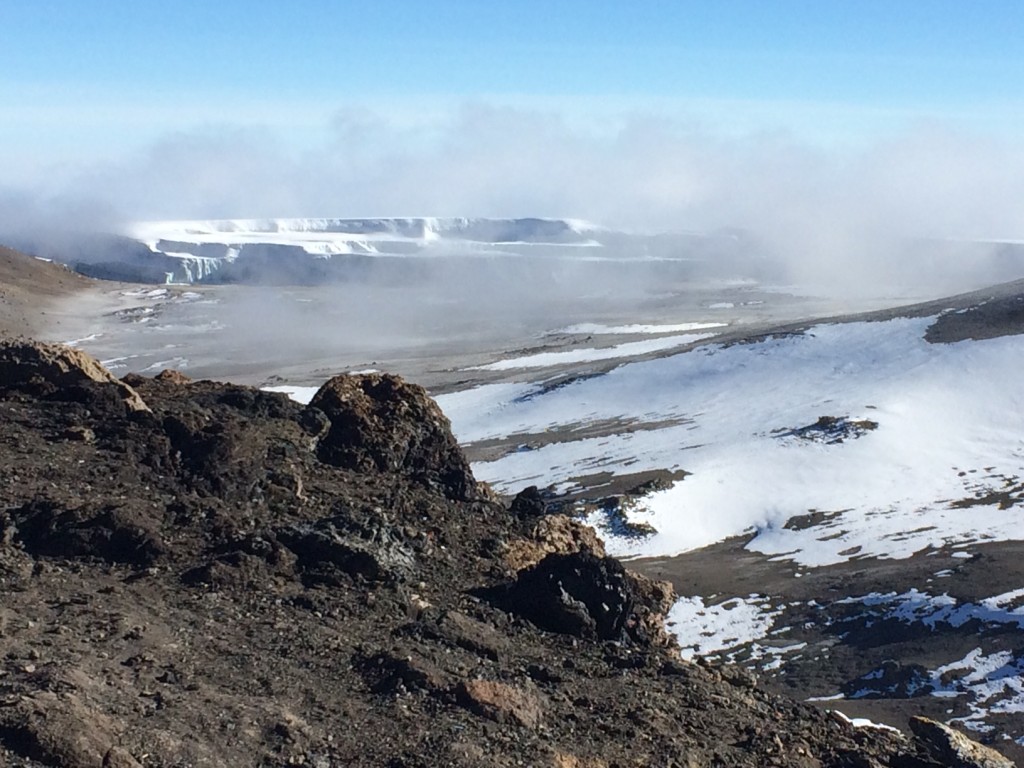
(203, 574)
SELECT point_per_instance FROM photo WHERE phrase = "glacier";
(203, 247)
(310, 251)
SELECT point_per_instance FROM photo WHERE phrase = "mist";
(846, 218)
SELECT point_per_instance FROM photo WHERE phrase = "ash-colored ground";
(299, 335)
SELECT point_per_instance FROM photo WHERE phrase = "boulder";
(328, 550)
(528, 503)
(501, 702)
(954, 749)
(553, 534)
(171, 376)
(590, 596)
(653, 600)
(577, 594)
(379, 422)
(60, 372)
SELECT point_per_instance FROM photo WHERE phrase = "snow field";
(950, 428)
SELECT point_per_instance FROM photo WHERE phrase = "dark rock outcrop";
(333, 546)
(60, 372)
(552, 535)
(577, 594)
(381, 423)
(111, 534)
(954, 749)
(528, 503)
(582, 592)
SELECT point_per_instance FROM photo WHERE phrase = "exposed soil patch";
(496, 448)
(829, 430)
(28, 286)
(999, 316)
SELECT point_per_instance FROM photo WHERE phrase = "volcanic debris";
(203, 574)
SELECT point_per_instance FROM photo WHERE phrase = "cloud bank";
(831, 214)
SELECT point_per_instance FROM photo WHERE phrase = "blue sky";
(936, 51)
(237, 62)
(103, 86)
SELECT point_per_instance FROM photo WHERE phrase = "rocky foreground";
(202, 574)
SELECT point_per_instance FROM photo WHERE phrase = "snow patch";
(915, 606)
(950, 419)
(298, 394)
(701, 629)
(860, 722)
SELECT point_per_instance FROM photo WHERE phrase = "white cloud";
(833, 213)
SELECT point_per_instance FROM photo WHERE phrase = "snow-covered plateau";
(948, 447)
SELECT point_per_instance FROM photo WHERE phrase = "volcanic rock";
(550, 535)
(61, 372)
(578, 594)
(379, 422)
(953, 748)
(111, 534)
(232, 579)
(501, 702)
(528, 503)
(172, 376)
(333, 546)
